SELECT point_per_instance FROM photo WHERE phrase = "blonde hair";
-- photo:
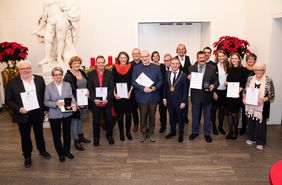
(75, 59)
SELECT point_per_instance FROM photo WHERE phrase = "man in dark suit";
(27, 82)
(202, 97)
(96, 79)
(175, 98)
(136, 55)
(185, 63)
(165, 68)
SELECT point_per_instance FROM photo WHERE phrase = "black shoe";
(96, 142)
(229, 135)
(193, 136)
(186, 120)
(162, 129)
(69, 155)
(234, 136)
(129, 136)
(208, 139)
(45, 154)
(242, 131)
(78, 146)
(221, 130)
(83, 139)
(27, 162)
(121, 137)
(180, 138)
(214, 130)
(111, 140)
(170, 135)
(62, 158)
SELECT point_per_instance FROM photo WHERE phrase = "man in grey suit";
(27, 82)
(202, 97)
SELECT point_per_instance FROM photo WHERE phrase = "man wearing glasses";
(147, 96)
(27, 82)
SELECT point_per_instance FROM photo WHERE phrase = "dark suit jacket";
(163, 71)
(93, 82)
(180, 93)
(13, 98)
(187, 64)
(200, 96)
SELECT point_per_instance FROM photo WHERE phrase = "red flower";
(12, 51)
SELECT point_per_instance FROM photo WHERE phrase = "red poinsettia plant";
(232, 45)
(12, 51)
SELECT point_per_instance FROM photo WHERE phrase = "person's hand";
(22, 110)
(153, 88)
(74, 107)
(182, 105)
(165, 102)
(116, 96)
(189, 77)
(97, 101)
(244, 100)
(105, 101)
(147, 89)
(129, 94)
(211, 87)
(215, 96)
(260, 101)
(225, 83)
(59, 103)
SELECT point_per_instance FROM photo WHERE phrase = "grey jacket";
(52, 95)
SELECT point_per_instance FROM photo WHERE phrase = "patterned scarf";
(255, 111)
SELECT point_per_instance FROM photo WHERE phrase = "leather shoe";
(214, 130)
(180, 138)
(208, 139)
(129, 136)
(111, 140)
(135, 129)
(69, 155)
(96, 142)
(221, 130)
(170, 135)
(45, 154)
(78, 146)
(193, 136)
(62, 158)
(162, 129)
(27, 162)
(83, 139)
(186, 120)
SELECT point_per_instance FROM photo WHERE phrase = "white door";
(164, 38)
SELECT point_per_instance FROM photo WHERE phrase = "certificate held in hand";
(29, 100)
(144, 80)
(81, 96)
(122, 90)
(252, 96)
(102, 92)
(233, 89)
(196, 80)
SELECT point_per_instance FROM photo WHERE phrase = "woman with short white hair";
(258, 114)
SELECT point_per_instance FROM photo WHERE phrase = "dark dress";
(235, 75)
(123, 105)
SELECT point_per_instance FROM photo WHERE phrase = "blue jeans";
(196, 110)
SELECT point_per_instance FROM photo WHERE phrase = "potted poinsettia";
(231, 45)
(11, 52)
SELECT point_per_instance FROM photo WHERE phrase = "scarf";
(255, 111)
(122, 69)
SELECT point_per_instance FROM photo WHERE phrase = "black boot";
(83, 139)
(221, 130)
(128, 135)
(235, 135)
(78, 146)
(229, 135)
(214, 130)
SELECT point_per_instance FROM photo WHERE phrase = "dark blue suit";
(175, 98)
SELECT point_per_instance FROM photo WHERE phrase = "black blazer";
(13, 98)
(200, 96)
(93, 82)
(180, 93)
(163, 71)
(187, 64)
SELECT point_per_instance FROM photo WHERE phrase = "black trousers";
(135, 114)
(35, 121)
(257, 131)
(176, 114)
(56, 125)
(107, 112)
(163, 116)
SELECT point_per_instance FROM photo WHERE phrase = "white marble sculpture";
(58, 29)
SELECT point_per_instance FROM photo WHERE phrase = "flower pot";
(8, 73)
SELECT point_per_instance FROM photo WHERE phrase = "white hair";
(23, 62)
(259, 65)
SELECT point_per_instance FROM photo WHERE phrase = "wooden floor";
(130, 163)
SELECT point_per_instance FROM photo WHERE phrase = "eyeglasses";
(26, 68)
(60, 74)
(259, 70)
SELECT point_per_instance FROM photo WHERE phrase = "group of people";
(149, 83)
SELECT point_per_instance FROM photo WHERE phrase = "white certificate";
(122, 90)
(196, 80)
(102, 92)
(81, 96)
(29, 100)
(252, 96)
(233, 89)
(144, 80)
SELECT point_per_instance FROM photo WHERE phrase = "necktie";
(201, 69)
(174, 78)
